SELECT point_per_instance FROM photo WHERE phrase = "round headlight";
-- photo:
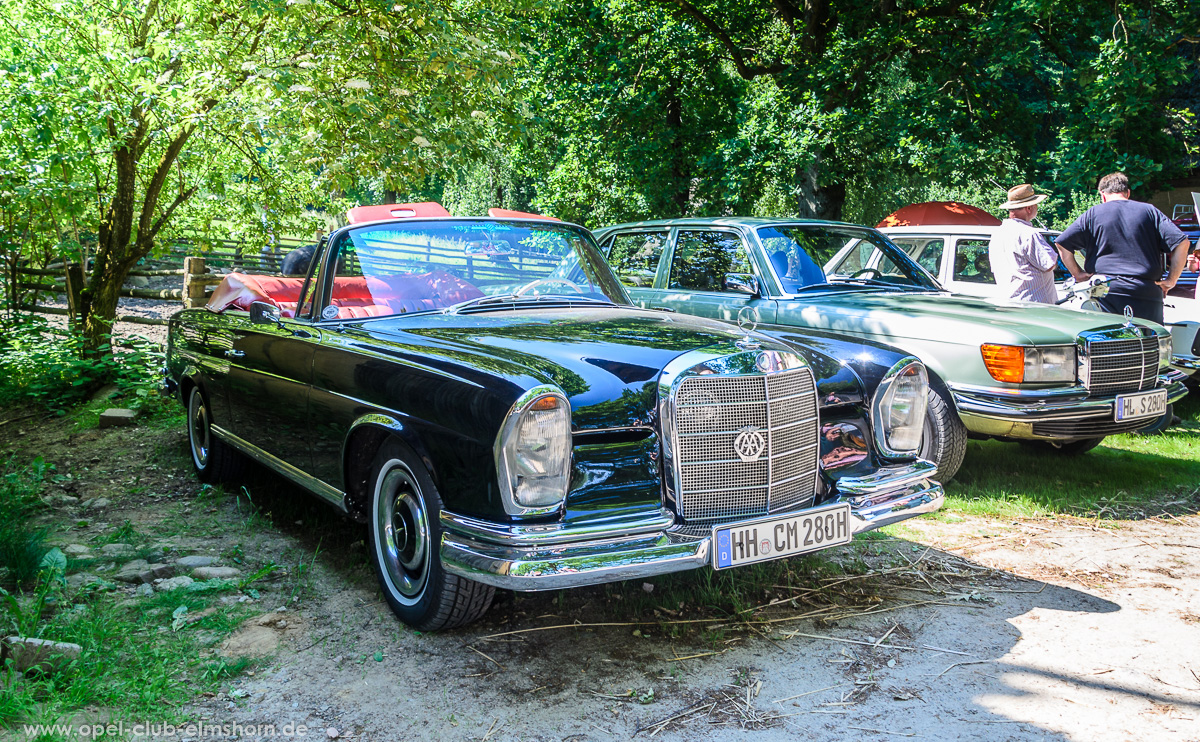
(898, 410)
(533, 453)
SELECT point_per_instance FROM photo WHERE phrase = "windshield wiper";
(506, 301)
(486, 299)
(875, 282)
(812, 287)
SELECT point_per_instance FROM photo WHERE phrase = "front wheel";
(944, 441)
(404, 536)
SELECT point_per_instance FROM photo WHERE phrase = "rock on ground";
(192, 562)
(174, 583)
(216, 573)
(39, 654)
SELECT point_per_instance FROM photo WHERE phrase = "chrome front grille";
(711, 411)
(1120, 365)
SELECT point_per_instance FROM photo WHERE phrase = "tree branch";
(166, 215)
(746, 70)
(787, 12)
(143, 31)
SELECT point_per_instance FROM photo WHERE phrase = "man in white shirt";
(1022, 260)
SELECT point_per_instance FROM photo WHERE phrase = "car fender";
(362, 440)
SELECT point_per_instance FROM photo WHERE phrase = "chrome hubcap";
(198, 429)
(402, 536)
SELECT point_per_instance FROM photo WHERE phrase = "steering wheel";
(545, 281)
(856, 274)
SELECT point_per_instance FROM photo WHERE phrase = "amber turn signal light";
(1004, 362)
(545, 403)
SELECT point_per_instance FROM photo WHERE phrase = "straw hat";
(1021, 196)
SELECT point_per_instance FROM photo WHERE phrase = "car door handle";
(235, 354)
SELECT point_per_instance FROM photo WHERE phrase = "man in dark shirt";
(1126, 240)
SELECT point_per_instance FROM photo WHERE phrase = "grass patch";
(22, 544)
(141, 656)
(48, 367)
(1128, 476)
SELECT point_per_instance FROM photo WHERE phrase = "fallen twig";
(628, 695)
(853, 614)
(882, 731)
(960, 664)
(694, 656)
(663, 722)
(885, 636)
(869, 644)
(489, 659)
(19, 419)
(1006, 590)
(809, 693)
(593, 626)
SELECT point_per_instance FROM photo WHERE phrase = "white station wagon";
(957, 256)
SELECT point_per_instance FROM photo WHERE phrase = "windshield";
(805, 255)
(396, 268)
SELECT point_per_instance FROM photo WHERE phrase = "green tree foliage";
(160, 115)
(1063, 90)
(838, 108)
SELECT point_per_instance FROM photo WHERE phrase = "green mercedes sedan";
(1046, 376)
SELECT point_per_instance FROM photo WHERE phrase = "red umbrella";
(939, 212)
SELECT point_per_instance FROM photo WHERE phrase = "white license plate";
(1133, 406)
(782, 536)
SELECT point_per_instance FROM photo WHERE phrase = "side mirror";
(262, 313)
(742, 283)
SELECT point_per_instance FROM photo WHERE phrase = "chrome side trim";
(552, 566)
(888, 478)
(331, 495)
(555, 533)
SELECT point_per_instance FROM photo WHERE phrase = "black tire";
(1160, 424)
(945, 439)
(215, 462)
(403, 534)
(1065, 448)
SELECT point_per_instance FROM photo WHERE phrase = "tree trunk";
(680, 194)
(817, 200)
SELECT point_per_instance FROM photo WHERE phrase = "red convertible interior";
(355, 297)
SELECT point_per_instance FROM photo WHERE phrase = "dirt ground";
(964, 628)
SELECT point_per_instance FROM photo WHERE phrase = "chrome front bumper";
(1012, 413)
(552, 557)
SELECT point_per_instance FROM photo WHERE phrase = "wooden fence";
(200, 266)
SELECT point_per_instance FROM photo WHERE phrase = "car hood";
(951, 318)
(606, 360)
